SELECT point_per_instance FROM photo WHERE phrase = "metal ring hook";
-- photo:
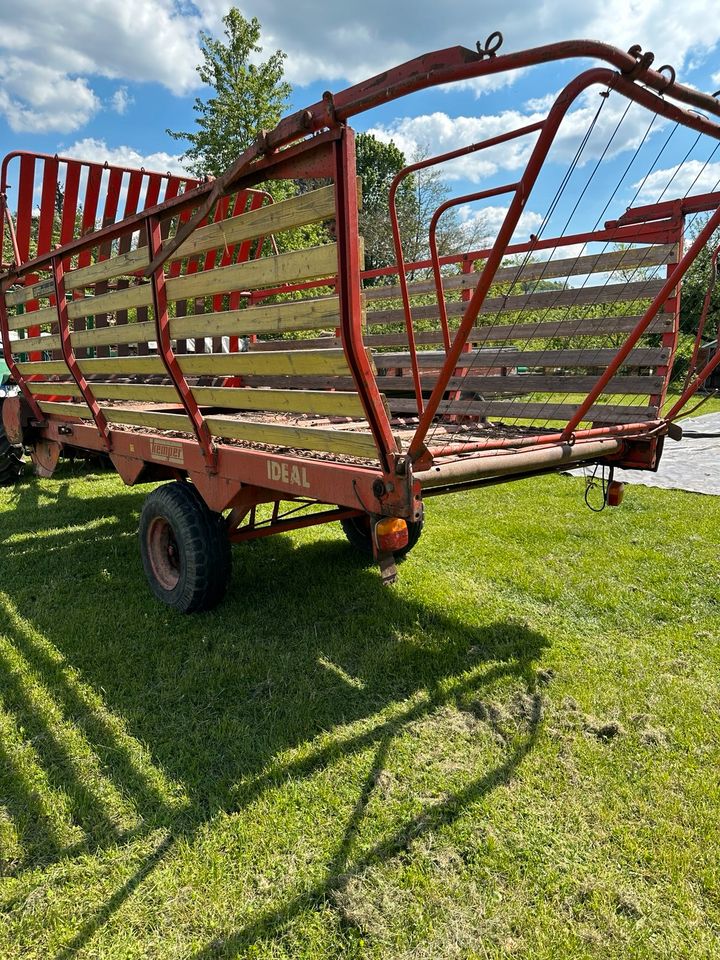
(667, 68)
(492, 45)
(643, 61)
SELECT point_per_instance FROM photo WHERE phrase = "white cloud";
(439, 133)
(673, 182)
(47, 60)
(121, 100)
(158, 41)
(333, 42)
(124, 156)
(35, 98)
(490, 219)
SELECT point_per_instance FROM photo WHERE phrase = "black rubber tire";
(11, 458)
(185, 549)
(357, 530)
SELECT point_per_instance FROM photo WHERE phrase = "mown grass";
(511, 753)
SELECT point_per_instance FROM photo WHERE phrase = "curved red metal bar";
(397, 240)
(431, 69)
(434, 256)
(597, 76)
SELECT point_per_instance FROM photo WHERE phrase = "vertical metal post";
(69, 353)
(170, 361)
(350, 299)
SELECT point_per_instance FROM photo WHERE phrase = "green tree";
(695, 286)
(247, 98)
(377, 165)
(417, 198)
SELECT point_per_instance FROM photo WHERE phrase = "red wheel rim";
(164, 554)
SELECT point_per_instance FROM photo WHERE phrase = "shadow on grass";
(143, 720)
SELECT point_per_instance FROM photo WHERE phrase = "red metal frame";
(231, 476)
(550, 126)
(350, 300)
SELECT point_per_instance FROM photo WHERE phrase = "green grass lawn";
(513, 752)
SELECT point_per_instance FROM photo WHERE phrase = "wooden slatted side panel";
(124, 370)
(547, 329)
(345, 442)
(607, 413)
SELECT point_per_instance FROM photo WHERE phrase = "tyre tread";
(203, 542)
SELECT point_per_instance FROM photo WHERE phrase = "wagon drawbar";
(178, 328)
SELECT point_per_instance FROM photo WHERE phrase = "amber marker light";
(391, 534)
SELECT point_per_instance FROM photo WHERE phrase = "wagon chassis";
(236, 471)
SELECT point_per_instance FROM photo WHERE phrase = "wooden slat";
(127, 366)
(279, 435)
(253, 274)
(507, 357)
(115, 334)
(145, 392)
(65, 409)
(128, 298)
(542, 300)
(275, 363)
(142, 332)
(523, 383)
(35, 343)
(277, 318)
(53, 388)
(328, 403)
(45, 368)
(312, 343)
(628, 259)
(306, 208)
(305, 438)
(519, 410)
(542, 330)
(311, 207)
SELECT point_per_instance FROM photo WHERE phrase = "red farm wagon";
(164, 323)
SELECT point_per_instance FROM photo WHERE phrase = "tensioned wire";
(556, 199)
(489, 359)
(553, 305)
(639, 189)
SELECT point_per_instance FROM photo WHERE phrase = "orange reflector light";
(615, 493)
(391, 534)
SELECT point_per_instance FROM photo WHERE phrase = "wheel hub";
(163, 553)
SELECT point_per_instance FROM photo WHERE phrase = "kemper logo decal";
(297, 476)
(167, 451)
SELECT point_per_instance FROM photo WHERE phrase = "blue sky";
(104, 81)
